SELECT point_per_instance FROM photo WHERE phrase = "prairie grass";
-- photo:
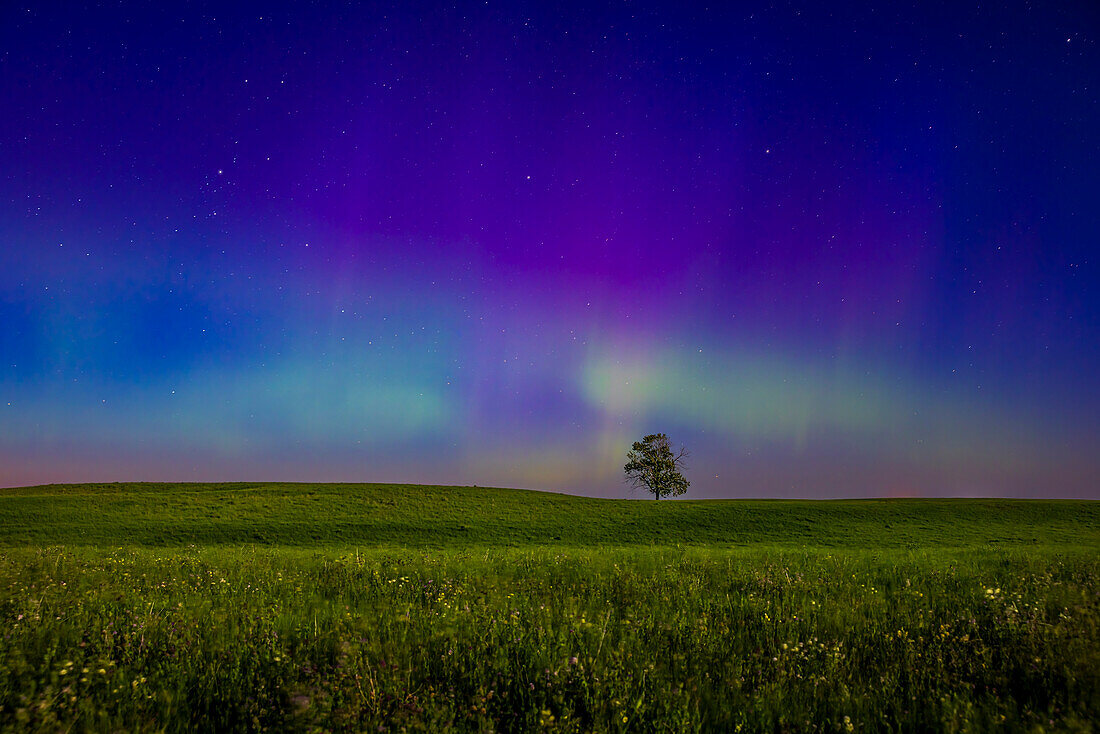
(563, 639)
(381, 608)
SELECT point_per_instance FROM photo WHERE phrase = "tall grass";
(556, 639)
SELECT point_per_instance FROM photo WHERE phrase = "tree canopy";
(652, 464)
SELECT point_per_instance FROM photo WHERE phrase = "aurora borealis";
(834, 249)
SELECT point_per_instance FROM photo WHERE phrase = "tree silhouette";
(652, 464)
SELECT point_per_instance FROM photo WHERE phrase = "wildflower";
(573, 660)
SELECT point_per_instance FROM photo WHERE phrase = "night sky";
(835, 249)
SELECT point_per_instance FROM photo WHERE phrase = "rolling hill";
(335, 515)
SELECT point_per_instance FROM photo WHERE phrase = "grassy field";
(391, 608)
(346, 515)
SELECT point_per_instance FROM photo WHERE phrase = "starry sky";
(835, 249)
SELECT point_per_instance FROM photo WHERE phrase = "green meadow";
(302, 607)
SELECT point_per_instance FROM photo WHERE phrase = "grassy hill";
(344, 515)
(348, 608)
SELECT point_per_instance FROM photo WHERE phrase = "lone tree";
(652, 464)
